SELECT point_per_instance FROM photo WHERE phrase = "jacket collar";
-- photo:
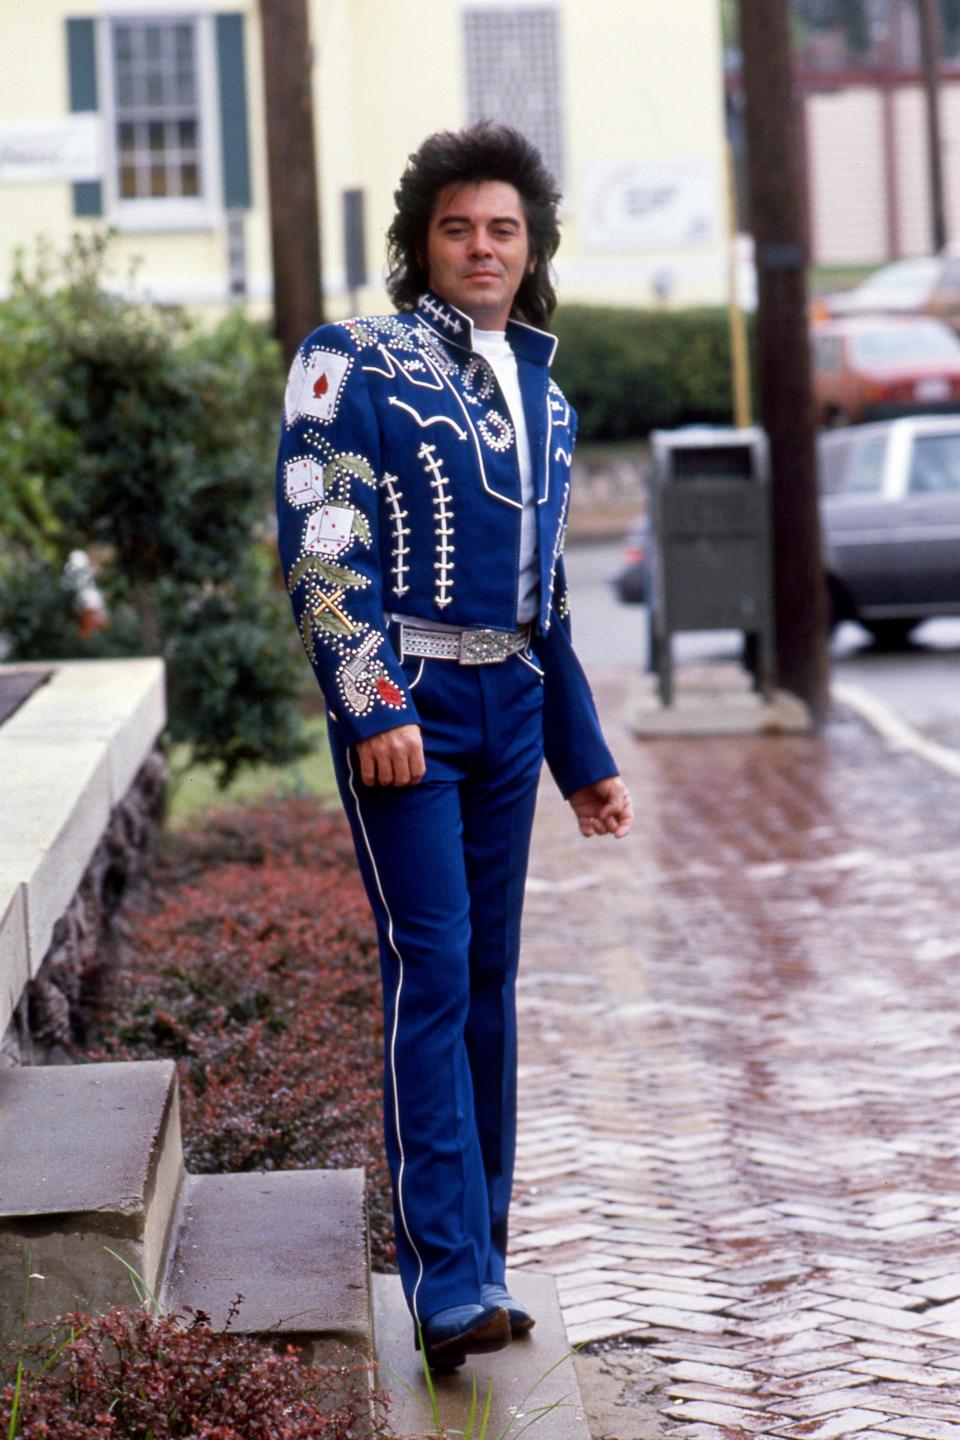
(456, 328)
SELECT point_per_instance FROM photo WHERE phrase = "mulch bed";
(250, 958)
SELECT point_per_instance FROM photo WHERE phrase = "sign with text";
(652, 204)
(36, 151)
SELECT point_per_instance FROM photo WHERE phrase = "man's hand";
(603, 808)
(394, 757)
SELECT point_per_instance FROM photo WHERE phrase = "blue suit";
(398, 495)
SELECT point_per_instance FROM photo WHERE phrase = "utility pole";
(291, 171)
(930, 53)
(783, 349)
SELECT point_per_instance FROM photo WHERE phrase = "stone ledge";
(68, 757)
(119, 703)
(14, 955)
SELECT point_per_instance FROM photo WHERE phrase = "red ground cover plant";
(251, 960)
(127, 1376)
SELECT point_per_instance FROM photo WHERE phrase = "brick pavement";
(740, 1087)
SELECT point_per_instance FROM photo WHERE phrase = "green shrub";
(628, 372)
(128, 432)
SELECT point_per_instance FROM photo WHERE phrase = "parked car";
(890, 516)
(890, 512)
(876, 367)
(929, 286)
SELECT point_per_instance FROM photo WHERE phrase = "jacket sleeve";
(328, 473)
(573, 742)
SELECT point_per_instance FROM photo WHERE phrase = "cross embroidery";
(331, 603)
(444, 316)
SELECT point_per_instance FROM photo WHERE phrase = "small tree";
(130, 433)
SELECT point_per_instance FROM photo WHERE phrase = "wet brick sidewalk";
(740, 1087)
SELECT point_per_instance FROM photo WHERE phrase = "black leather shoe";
(452, 1334)
(520, 1320)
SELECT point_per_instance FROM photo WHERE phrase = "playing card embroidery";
(314, 385)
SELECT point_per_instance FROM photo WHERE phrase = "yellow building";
(147, 115)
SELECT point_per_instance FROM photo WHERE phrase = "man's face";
(478, 250)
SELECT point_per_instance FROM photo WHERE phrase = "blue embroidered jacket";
(398, 491)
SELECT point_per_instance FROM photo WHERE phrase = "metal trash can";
(710, 530)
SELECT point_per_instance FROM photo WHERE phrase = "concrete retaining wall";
(80, 788)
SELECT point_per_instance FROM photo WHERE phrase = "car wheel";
(839, 606)
(891, 634)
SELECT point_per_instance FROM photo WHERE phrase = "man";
(423, 487)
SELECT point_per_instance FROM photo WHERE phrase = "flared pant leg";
(443, 863)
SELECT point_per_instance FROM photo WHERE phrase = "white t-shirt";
(495, 348)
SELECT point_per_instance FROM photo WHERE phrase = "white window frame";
(163, 213)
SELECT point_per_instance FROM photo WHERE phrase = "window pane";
(125, 139)
(190, 179)
(187, 134)
(185, 92)
(128, 182)
(155, 135)
(124, 87)
(833, 452)
(865, 475)
(153, 92)
(158, 180)
(513, 74)
(906, 345)
(935, 465)
(122, 43)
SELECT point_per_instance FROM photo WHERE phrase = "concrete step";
(527, 1378)
(90, 1157)
(293, 1242)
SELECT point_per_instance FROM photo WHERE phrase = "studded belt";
(467, 647)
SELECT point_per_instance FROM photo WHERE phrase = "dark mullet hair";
(464, 157)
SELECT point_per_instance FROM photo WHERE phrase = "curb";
(899, 733)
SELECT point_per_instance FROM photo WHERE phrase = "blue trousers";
(444, 864)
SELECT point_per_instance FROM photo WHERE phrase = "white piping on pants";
(393, 1037)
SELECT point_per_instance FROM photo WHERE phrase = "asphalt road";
(921, 682)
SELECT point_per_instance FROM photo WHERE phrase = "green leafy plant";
(128, 432)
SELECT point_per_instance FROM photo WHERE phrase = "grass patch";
(193, 792)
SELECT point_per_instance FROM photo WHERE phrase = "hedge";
(627, 372)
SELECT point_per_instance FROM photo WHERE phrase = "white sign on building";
(651, 204)
(35, 151)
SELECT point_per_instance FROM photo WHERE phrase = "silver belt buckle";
(484, 647)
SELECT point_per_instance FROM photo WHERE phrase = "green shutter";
(82, 79)
(232, 78)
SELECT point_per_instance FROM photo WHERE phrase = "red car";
(878, 367)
